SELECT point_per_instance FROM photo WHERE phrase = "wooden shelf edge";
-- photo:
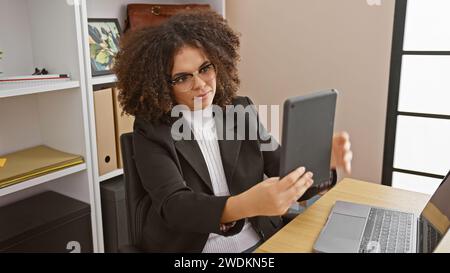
(42, 179)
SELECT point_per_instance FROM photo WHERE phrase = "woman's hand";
(273, 196)
(341, 155)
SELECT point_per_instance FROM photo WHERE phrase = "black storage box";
(114, 214)
(47, 222)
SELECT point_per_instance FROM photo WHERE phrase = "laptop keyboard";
(387, 231)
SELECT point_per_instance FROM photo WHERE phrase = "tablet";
(308, 125)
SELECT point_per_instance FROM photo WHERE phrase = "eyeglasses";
(185, 82)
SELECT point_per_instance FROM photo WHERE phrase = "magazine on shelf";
(24, 82)
(34, 78)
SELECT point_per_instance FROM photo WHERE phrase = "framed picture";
(104, 37)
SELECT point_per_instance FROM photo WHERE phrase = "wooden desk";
(301, 233)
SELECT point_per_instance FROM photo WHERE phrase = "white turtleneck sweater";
(204, 129)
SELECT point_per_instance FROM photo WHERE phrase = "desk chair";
(138, 201)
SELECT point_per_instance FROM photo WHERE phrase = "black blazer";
(184, 209)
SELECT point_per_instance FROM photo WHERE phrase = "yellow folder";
(2, 162)
(33, 162)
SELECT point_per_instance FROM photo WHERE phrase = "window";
(417, 141)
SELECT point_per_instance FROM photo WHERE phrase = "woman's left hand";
(341, 155)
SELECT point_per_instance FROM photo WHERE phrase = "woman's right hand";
(274, 196)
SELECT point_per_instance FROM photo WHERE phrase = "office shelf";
(52, 113)
(42, 179)
(110, 175)
(104, 79)
(19, 89)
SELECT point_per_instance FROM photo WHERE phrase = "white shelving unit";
(54, 34)
(17, 89)
(110, 175)
(42, 179)
(104, 79)
(46, 34)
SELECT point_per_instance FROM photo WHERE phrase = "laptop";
(308, 124)
(353, 228)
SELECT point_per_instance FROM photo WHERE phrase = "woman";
(208, 192)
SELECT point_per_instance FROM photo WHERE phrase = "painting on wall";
(104, 37)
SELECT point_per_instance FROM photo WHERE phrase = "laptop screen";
(434, 220)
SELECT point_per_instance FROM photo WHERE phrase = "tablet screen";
(308, 124)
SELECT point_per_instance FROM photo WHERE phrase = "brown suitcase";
(148, 15)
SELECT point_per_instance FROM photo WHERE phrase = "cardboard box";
(47, 222)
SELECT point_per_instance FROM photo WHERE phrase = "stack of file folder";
(34, 162)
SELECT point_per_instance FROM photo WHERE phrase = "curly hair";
(146, 58)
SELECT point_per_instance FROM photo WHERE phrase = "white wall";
(294, 47)
(15, 39)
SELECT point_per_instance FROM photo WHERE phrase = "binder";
(123, 124)
(104, 122)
